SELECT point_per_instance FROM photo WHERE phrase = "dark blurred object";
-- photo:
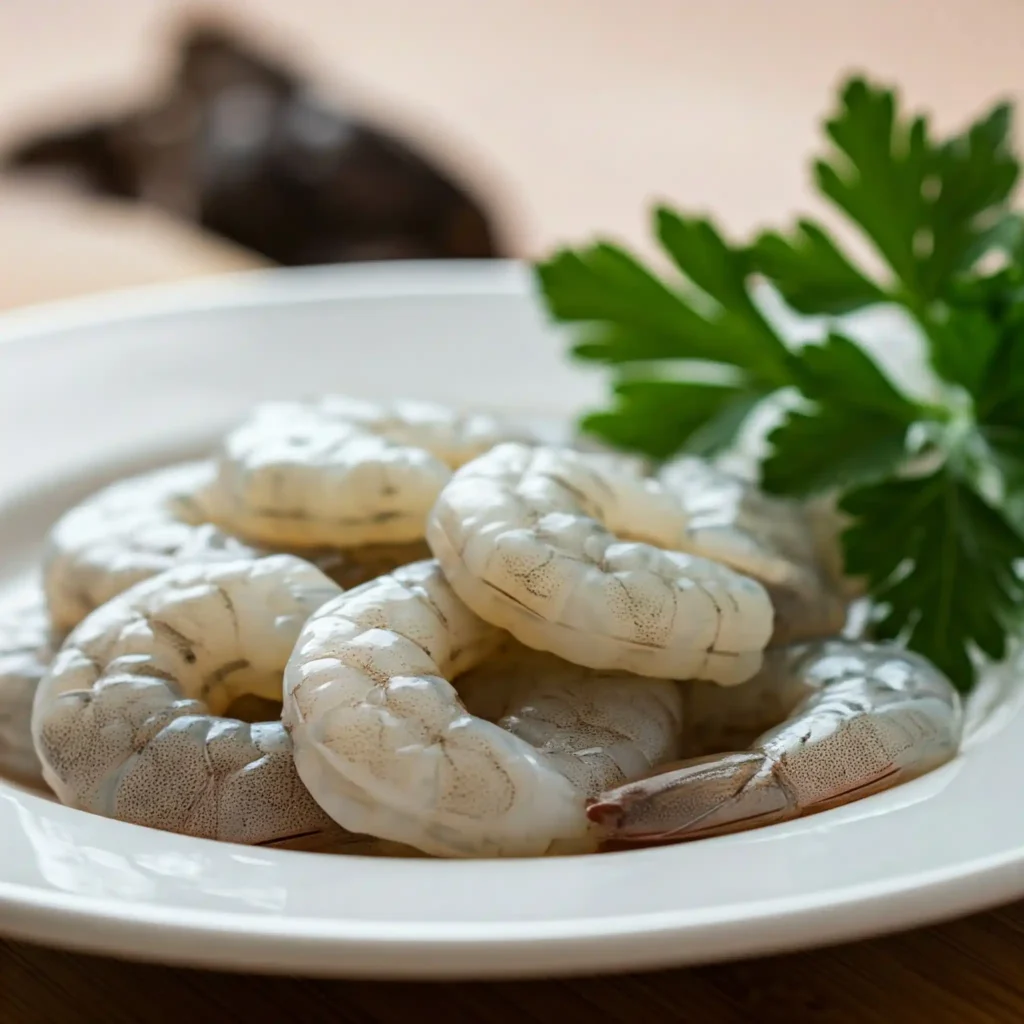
(240, 146)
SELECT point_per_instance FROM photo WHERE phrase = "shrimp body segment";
(128, 532)
(772, 539)
(876, 716)
(126, 721)
(577, 558)
(340, 472)
(599, 729)
(386, 746)
(26, 649)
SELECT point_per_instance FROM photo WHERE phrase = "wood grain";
(964, 972)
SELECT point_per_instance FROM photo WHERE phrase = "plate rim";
(267, 286)
(476, 951)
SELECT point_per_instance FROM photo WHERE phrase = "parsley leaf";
(854, 429)
(662, 417)
(840, 371)
(632, 316)
(924, 205)
(940, 561)
(939, 550)
(720, 272)
(639, 316)
(629, 318)
(932, 210)
(812, 273)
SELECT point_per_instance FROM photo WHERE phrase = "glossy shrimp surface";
(341, 472)
(599, 729)
(774, 540)
(874, 716)
(128, 532)
(26, 649)
(126, 722)
(386, 746)
(574, 556)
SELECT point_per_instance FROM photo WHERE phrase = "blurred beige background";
(571, 115)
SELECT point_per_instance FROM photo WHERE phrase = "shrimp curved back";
(386, 746)
(128, 532)
(576, 558)
(774, 540)
(342, 472)
(599, 729)
(126, 721)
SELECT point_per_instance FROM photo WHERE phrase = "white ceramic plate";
(95, 388)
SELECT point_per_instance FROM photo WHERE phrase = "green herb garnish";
(934, 483)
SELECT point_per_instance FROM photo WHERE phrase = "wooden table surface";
(571, 115)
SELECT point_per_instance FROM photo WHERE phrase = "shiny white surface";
(92, 389)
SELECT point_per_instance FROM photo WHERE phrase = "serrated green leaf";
(879, 175)
(975, 173)
(721, 429)
(603, 285)
(931, 208)
(811, 272)
(615, 345)
(840, 373)
(813, 452)
(853, 430)
(720, 271)
(963, 345)
(940, 560)
(658, 418)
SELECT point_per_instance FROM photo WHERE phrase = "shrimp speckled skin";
(386, 746)
(125, 721)
(532, 540)
(717, 718)
(599, 729)
(26, 649)
(876, 716)
(128, 532)
(771, 539)
(341, 472)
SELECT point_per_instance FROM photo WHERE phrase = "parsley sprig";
(935, 487)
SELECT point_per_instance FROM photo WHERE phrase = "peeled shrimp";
(343, 473)
(717, 718)
(386, 746)
(125, 722)
(774, 540)
(876, 716)
(26, 649)
(533, 540)
(128, 532)
(599, 729)
(147, 524)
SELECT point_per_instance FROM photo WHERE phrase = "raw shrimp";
(26, 649)
(147, 524)
(128, 532)
(125, 722)
(386, 746)
(774, 540)
(343, 473)
(532, 540)
(876, 716)
(717, 718)
(599, 729)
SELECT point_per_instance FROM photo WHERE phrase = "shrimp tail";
(694, 799)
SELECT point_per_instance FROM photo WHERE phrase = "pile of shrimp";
(409, 631)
